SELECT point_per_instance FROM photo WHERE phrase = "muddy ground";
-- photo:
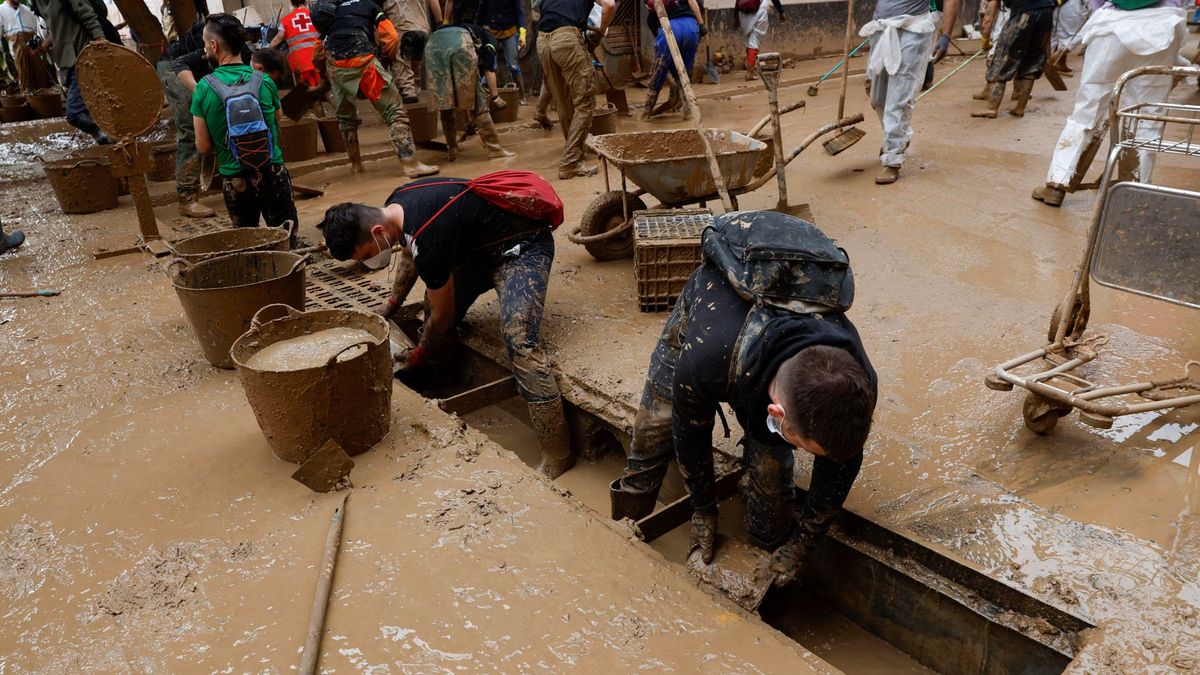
(146, 526)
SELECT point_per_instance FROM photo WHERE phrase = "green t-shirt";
(207, 104)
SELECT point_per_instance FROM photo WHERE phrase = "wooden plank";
(305, 192)
(480, 397)
(679, 511)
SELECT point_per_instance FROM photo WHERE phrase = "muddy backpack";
(780, 261)
(246, 132)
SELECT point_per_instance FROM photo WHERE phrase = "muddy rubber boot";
(450, 129)
(703, 537)
(674, 102)
(190, 207)
(550, 423)
(1050, 195)
(577, 170)
(982, 94)
(1022, 90)
(631, 505)
(887, 175)
(491, 142)
(648, 106)
(994, 99)
(787, 561)
(10, 240)
(350, 137)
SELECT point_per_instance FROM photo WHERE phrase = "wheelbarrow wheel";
(1041, 414)
(604, 214)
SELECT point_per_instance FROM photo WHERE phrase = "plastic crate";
(666, 252)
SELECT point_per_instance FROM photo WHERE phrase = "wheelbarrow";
(670, 166)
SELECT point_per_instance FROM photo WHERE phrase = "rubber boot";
(982, 94)
(1022, 89)
(190, 207)
(995, 98)
(648, 108)
(491, 140)
(10, 240)
(550, 423)
(703, 537)
(632, 505)
(674, 101)
(450, 129)
(350, 136)
(751, 63)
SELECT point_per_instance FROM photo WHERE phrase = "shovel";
(851, 135)
(297, 102)
(770, 67)
(709, 69)
(615, 96)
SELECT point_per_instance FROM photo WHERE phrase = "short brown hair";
(828, 397)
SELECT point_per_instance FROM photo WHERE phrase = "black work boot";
(632, 505)
(10, 240)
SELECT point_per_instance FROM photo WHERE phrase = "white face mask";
(774, 426)
(382, 259)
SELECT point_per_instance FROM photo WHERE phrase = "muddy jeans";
(77, 112)
(568, 75)
(519, 278)
(269, 194)
(187, 160)
(1020, 52)
(345, 83)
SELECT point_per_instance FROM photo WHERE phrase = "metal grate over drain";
(331, 286)
(189, 227)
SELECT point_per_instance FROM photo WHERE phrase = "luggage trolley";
(1143, 239)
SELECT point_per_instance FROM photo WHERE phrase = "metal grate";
(191, 227)
(671, 223)
(1161, 127)
(331, 286)
(666, 252)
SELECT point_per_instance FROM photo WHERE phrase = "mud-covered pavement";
(144, 524)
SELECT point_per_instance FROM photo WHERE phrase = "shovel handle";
(279, 309)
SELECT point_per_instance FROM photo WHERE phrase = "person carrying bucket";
(463, 238)
(301, 35)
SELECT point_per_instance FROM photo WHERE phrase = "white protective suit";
(754, 26)
(1117, 41)
(900, 50)
(1068, 24)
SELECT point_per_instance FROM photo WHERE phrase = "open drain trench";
(868, 599)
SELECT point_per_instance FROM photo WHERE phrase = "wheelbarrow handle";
(848, 121)
(782, 111)
(575, 237)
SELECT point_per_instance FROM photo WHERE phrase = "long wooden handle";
(316, 618)
(686, 83)
(846, 58)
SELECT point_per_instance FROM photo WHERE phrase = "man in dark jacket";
(73, 24)
(794, 380)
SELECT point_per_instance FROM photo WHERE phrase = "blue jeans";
(687, 36)
(512, 55)
(77, 112)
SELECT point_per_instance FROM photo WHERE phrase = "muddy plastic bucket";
(423, 121)
(237, 240)
(46, 105)
(163, 163)
(604, 120)
(220, 296)
(512, 103)
(82, 184)
(21, 113)
(298, 140)
(347, 399)
(12, 100)
(331, 135)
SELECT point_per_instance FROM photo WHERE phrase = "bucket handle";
(333, 359)
(187, 267)
(278, 310)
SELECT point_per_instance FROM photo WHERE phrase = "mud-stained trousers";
(410, 17)
(1107, 59)
(569, 76)
(893, 96)
(1020, 51)
(687, 35)
(345, 87)
(519, 278)
(187, 160)
(268, 195)
(453, 67)
(77, 112)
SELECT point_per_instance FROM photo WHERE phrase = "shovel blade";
(801, 211)
(617, 98)
(1053, 76)
(844, 140)
(325, 468)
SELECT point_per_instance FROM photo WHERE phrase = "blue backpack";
(246, 132)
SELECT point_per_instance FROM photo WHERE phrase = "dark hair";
(272, 60)
(346, 225)
(827, 397)
(227, 30)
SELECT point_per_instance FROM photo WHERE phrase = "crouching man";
(760, 325)
(461, 245)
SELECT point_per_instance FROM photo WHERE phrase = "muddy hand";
(704, 535)
(786, 562)
(412, 360)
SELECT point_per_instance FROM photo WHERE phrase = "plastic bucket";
(348, 401)
(19, 113)
(331, 134)
(82, 184)
(237, 240)
(512, 99)
(423, 121)
(604, 120)
(298, 140)
(163, 165)
(220, 296)
(46, 105)
(12, 100)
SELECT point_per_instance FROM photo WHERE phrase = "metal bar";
(679, 511)
(480, 397)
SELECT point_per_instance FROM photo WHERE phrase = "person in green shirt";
(249, 193)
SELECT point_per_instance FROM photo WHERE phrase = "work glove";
(703, 29)
(521, 38)
(940, 48)
(702, 540)
(412, 360)
(986, 42)
(786, 562)
(592, 39)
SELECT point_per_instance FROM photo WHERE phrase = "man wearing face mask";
(783, 354)
(461, 246)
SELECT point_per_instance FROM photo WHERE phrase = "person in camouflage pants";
(187, 160)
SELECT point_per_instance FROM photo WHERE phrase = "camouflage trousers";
(187, 160)
(346, 83)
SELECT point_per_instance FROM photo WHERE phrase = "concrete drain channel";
(869, 599)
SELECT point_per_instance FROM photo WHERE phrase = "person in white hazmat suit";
(1119, 37)
(902, 45)
(1068, 24)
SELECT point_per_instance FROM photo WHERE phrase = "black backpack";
(322, 13)
(776, 260)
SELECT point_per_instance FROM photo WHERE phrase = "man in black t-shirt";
(461, 246)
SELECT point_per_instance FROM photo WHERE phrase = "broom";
(850, 135)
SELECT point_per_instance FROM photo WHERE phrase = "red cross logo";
(302, 23)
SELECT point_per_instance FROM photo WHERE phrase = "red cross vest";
(301, 37)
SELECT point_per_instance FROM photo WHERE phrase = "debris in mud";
(29, 555)
(160, 586)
